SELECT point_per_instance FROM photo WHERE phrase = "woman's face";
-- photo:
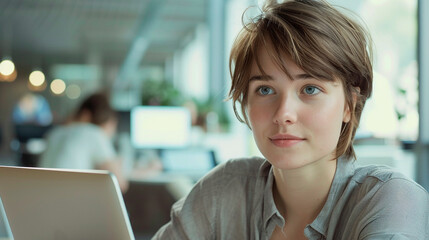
(295, 122)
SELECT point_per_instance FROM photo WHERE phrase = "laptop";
(63, 204)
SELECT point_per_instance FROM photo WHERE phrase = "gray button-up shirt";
(235, 201)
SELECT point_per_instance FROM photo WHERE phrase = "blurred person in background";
(85, 141)
(31, 119)
(32, 109)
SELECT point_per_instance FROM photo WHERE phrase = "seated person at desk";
(84, 142)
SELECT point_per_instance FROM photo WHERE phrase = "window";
(392, 111)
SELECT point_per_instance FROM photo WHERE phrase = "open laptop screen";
(63, 204)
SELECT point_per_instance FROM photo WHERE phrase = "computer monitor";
(124, 120)
(160, 127)
(188, 160)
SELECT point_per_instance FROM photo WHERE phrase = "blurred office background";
(174, 54)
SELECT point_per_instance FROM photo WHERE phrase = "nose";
(286, 111)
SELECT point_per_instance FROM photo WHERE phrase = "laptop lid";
(63, 204)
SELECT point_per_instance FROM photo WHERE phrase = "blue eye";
(264, 90)
(311, 90)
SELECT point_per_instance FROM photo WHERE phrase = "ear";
(347, 113)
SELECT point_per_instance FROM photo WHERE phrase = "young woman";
(301, 73)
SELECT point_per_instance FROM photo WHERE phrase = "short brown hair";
(99, 107)
(321, 40)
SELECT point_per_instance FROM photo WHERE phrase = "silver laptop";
(63, 204)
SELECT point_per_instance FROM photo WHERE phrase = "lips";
(285, 140)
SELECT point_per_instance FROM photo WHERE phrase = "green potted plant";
(161, 93)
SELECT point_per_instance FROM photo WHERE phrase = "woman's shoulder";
(382, 198)
(379, 173)
(233, 175)
(388, 182)
(232, 181)
(235, 168)
(228, 192)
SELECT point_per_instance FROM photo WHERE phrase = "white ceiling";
(45, 32)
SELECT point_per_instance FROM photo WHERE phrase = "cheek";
(257, 116)
(258, 120)
(253, 117)
(326, 122)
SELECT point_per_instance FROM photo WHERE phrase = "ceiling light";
(37, 78)
(73, 91)
(58, 86)
(7, 67)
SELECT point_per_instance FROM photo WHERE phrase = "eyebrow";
(261, 78)
(302, 76)
(268, 77)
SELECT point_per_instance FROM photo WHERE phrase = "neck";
(301, 193)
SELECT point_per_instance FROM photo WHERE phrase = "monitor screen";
(124, 120)
(160, 127)
(188, 160)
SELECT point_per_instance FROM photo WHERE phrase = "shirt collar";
(345, 169)
(269, 206)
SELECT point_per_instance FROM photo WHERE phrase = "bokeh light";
(7, 67)
(37, 78)
(58, 86)
(73, 91)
